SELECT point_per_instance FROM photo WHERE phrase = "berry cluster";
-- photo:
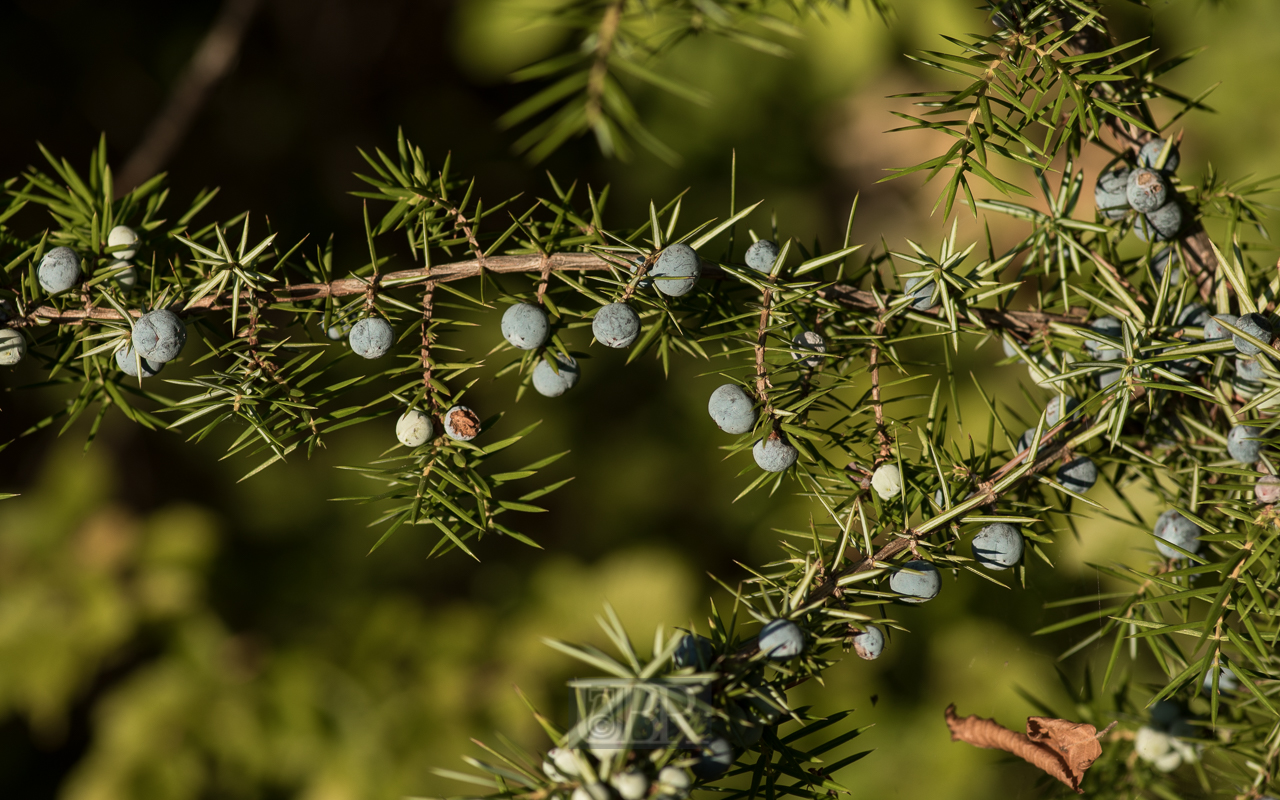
(1146, 189)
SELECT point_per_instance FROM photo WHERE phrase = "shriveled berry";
(1243, 444)
(811, 341)
(1146, 190)
(998, 546)
(732, 410)
(554, 380)
(781, 639)
(761, 255)
(774, 453)
(159, 335)
(1110, 194)
(1079, 475)
(869, 643)
(414, 428)
(59, 270)
(461, 423)
(616, 325)
(371, 337)
(525, 326)
(1256, 326)
(916, 581)
(1173, 528)
(677, 270)
(12, 346)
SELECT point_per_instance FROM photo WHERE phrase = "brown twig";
(762, 331)
(873, 362)
(209, 64)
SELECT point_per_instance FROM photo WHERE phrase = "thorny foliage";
(1157, 397)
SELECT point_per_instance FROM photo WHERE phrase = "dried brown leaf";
(1062, 749)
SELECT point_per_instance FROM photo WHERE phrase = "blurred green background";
(167, 632)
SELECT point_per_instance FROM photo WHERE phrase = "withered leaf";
(1062, 749)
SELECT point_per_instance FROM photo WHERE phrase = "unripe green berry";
(13, 347)
(414, 428)
(123, 273)
(630, 785)
(123, 235)
(887, 481)
(674, 781)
